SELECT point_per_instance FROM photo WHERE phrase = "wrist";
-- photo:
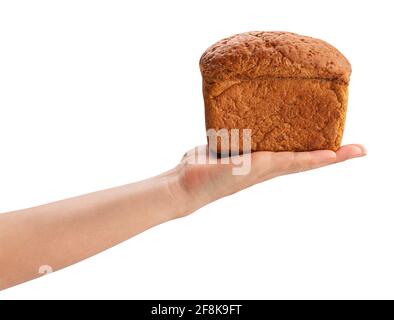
(183, 200)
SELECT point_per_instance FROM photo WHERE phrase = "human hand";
(205, 178)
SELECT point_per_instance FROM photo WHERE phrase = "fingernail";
(363, 149)
(357, 151)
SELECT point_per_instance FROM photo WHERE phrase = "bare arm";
(65, 232)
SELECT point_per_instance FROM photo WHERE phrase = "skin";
(62, 233)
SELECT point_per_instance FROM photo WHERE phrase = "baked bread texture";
(290, 90)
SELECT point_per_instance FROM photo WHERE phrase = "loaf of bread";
(289, 90)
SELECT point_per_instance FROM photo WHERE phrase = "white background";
(95, 94)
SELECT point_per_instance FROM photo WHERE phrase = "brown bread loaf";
(290, 90)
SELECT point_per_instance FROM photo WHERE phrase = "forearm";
(64, 232)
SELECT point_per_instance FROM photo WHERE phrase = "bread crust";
(290, 90)
(273, 54)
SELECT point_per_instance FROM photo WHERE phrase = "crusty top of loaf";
(256, 54)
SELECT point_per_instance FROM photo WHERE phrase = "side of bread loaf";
(290, 90)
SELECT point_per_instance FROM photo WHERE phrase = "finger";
(293, 162)
(271, 164)
(197, 155)
(350, 151)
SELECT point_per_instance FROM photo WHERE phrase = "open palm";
(209, 178)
